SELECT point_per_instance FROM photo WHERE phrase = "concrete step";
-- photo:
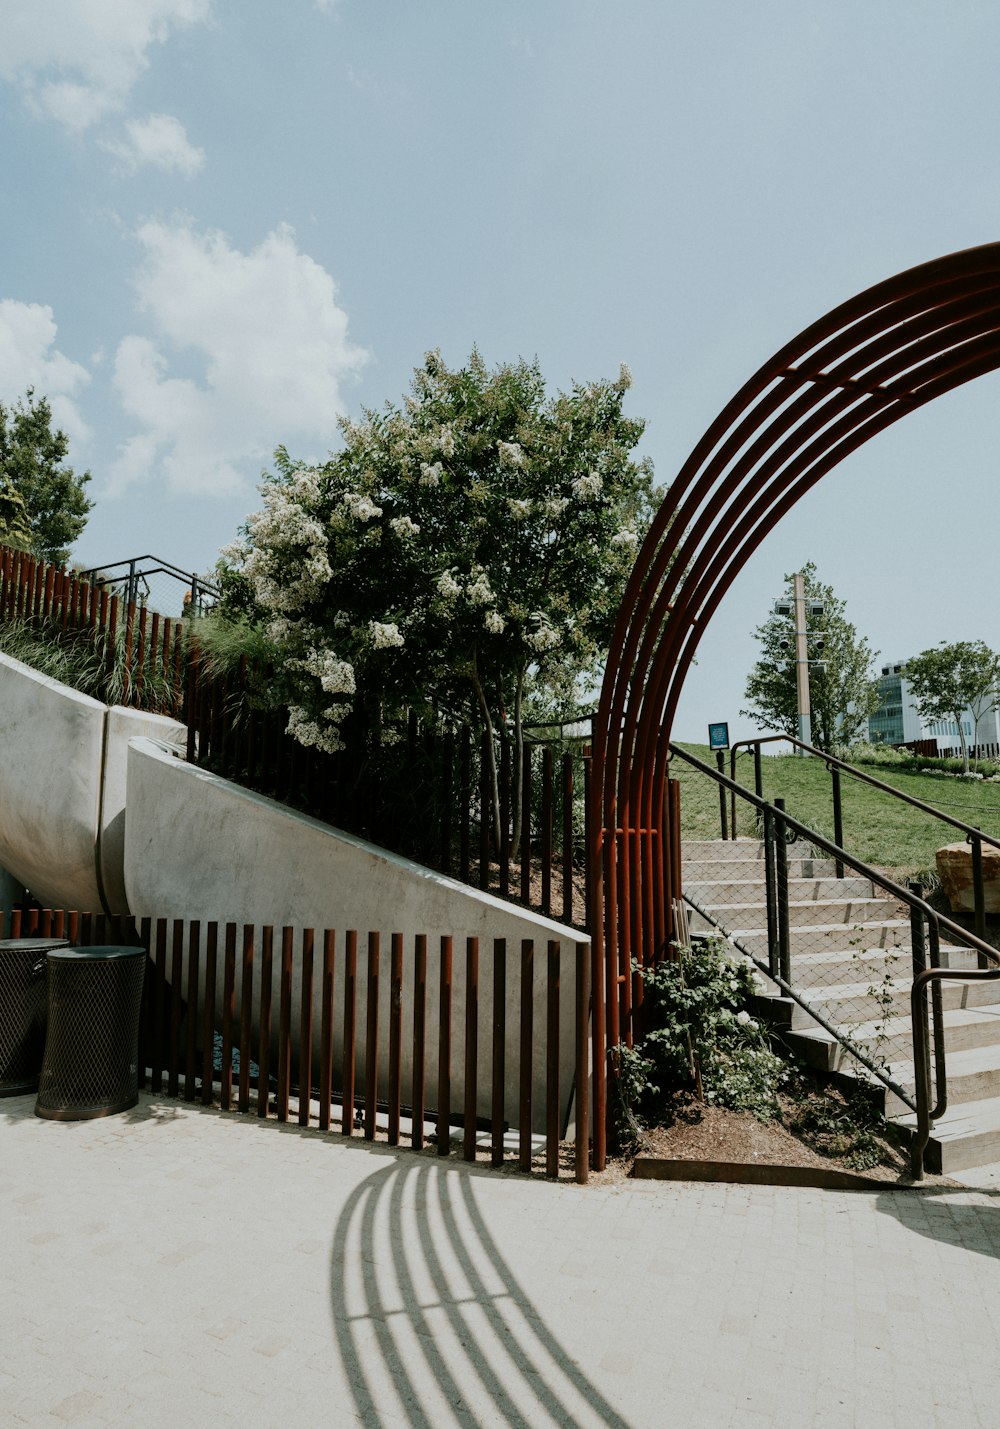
(846, 1004)
(698, 850)
(704, 870)
(967, 1135)
(829, 939)
(808, 914)
(712, 892)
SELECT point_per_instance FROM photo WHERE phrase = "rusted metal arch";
(846, 377)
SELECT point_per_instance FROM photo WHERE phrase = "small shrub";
(699, 1038)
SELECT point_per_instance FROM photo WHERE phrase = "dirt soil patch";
(706, 1133)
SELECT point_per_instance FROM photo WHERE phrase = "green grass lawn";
(877, 828)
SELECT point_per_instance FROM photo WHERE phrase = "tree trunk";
(494, 780)
(518, 770)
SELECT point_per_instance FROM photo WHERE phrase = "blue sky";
(226, 221)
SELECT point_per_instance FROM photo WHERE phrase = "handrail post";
(838, 819)
(781, 883)
(921, 1036)
(758, 772)
(937, 1022)
(770, 891)
(720, 760)
(978, 891)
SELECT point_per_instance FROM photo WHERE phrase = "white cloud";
(78, 60)
(30, 358)
(159, 141)
(272, 343)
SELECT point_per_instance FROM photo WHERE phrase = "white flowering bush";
(458, 551)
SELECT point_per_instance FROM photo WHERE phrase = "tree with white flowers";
(459, 551)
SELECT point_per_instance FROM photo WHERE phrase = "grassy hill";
(877, 828)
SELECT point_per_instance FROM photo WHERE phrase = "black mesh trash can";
(22, 1012)
(90, 1067)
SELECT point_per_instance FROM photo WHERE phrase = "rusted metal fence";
(144, 653)
(229, 1018)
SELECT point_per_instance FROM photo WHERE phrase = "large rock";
(954, 866)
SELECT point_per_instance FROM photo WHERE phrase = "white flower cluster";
(445, 441)
(362, 508)
(385, 637)
(430, 475)
(625, 537)
(510, 454)
(287, 563)
(336, 676)
(494, 622)
(555, 506)
(404, 527)
(519, 509)
(542, 636)
(308, 732)
(448, 586)
(584, 488)
(478, 589)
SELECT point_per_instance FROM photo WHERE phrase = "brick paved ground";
(177, 1267)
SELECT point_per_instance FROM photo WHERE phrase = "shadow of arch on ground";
(425, 1306)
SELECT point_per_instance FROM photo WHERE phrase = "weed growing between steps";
(702, 1050)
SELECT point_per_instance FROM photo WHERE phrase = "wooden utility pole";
(802, 659)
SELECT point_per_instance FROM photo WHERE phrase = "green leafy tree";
(14, 524)
(842, 687)
(32, 465)
(947, 680)
(461, 550)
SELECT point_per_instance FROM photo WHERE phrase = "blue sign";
(718, 736)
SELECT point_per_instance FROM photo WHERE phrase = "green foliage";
(83, 663)
(843, 690)
(33, 470)
(846, 1124)
(886, 757)
(699, 1036)
(946, 680)
(461, 550)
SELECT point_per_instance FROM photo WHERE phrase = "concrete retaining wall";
(197, 846)
(63, 760)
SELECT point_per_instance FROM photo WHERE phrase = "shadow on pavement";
(944, 1213)
(424, 1301)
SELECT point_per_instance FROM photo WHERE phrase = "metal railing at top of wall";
(837, 767)
(809, 963)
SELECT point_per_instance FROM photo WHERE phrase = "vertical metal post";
(758, 772)
(921, 1034)
(838, 818)
(770, 888)
(720, 760)
(978, 891)
(781, 886)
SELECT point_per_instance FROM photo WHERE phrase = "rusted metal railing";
(277, 1071)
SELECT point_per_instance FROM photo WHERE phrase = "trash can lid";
(36, 945)
(97, 953)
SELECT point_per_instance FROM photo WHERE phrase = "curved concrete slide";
(62, 788)
(200, 847)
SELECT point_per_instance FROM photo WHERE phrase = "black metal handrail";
(776, 823)
(973, 836)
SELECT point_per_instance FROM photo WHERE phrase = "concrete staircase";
(851, 960)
